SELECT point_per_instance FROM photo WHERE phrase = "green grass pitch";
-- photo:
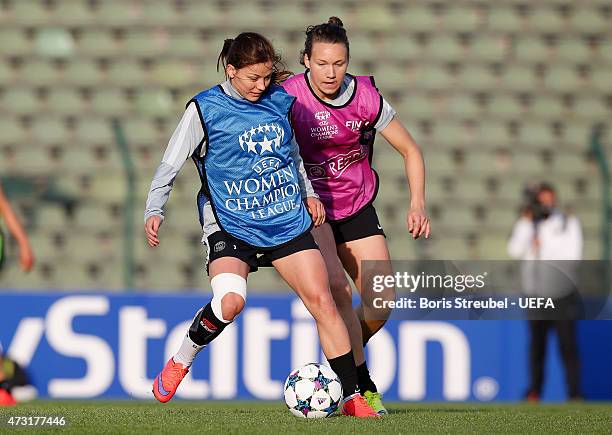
(273, 418)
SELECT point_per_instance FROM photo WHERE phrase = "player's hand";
(418, 222)
(151, 228)
(26, 257)
(316, 210)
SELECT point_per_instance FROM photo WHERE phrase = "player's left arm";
(399, 138)
(26, 256)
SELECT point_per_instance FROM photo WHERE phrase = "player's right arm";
(187, 136)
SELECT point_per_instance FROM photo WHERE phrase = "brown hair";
(250, 48)
(332, 32)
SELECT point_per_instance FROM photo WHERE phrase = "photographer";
(543, 232)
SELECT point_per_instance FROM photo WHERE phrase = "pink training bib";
(336, 144)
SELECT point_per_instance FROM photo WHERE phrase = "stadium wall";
(111, 346)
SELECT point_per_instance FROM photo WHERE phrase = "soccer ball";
(313, 391)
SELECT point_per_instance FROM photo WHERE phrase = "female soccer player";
(253, 183)
(335, 118)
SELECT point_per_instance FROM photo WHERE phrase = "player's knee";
(229, 295)
(323, 306)
(232, 304)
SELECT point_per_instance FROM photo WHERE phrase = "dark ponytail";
(332, 32)
(250, 48)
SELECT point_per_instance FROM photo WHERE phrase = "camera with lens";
(532, 205)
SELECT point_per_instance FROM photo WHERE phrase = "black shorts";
(221, 245)
(364, 224)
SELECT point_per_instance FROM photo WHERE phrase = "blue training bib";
(247, 172)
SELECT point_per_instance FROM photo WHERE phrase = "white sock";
(187, 352)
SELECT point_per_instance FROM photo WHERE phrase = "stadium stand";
(496, 93)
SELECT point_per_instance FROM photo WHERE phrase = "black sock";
(205, 327)
(344, 366)
(365, 381)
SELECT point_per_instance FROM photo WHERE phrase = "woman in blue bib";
(256, 206)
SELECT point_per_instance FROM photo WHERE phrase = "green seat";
(505, 106)
(562, 78)
(445, 49)
(450, 133)
(38, 73)
(519, 78)
(574, 50)
(504, 18)
(528, 163)
(600, 80)
(14, 42)
(392, 77)
(293, 16)
(463, 106)
(111, 102)
(545, 19)
(591, 107)
(402, 47)
(417, 18)
(464, 18)
(571, 163)
(242, 16)
(49, 131)
(492, 247)
(54, 42)
(141, 131)
(83, 73)
(94, 131)
(185, 44)
(116, 13)
(126, 73)
(200, 15)
(433, 77)
(417, 106)
(160, 13)
(502, 217)
(143, 44)
(7, 74)
(12, 131)
(488, 48)
(531, 49)
(51, 216)
(91, 215)
(20, 101)
(65, 101)
(577, 134)
(374, 17)
(364, 48)
(154, 103)
(29, 161)
(72, 13)
(493, 133)
(605, 52)
(588, 20)
(537, 134)
(97, 43)
(173, 73)
(476, 78)
(547, 107)
(30, 13)
(439, 161)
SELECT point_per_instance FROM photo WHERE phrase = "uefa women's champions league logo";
(267, 135)
(260, 140)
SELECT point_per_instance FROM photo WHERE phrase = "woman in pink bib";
(335, 118)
